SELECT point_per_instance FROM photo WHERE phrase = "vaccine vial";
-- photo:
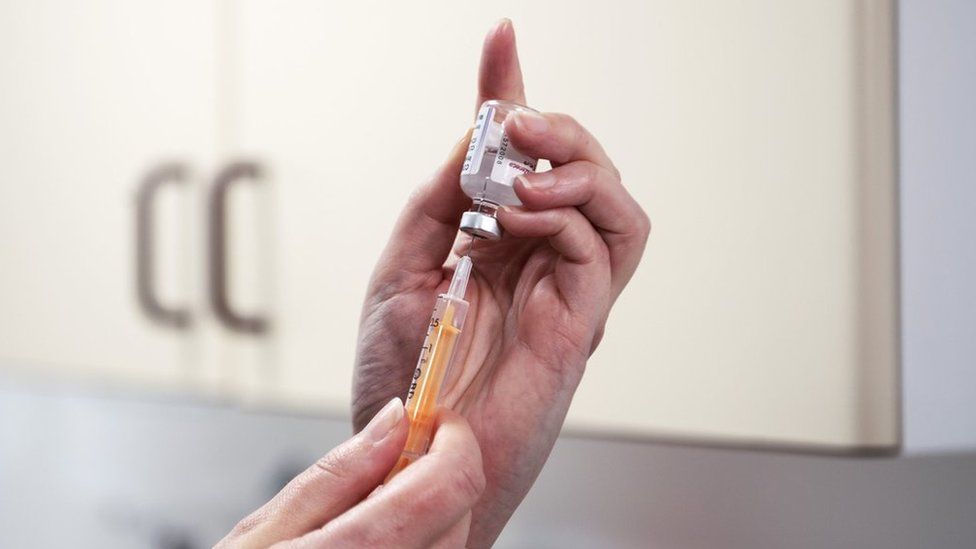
(490, 168)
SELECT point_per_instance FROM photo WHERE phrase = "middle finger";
(597, 192)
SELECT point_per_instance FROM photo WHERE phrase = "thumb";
(500, 75)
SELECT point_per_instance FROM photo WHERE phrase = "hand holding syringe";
(433, 365)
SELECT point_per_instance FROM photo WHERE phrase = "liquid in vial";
(490, 167)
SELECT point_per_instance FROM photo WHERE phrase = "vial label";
(476, 148)
(510, 163)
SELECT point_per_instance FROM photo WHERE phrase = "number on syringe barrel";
(424, 357)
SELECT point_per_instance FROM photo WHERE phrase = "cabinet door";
(96, 96)
(758, 136)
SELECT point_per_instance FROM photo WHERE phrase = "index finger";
(420, 504)
(584, 177)
(557, 137)
(325, 490)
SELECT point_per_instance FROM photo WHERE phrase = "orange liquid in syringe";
(432, 367)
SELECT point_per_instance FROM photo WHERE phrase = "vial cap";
(481, 225)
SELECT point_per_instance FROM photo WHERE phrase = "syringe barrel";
(432, 369)
(436, 355)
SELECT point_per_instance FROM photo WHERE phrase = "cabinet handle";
(145, 246)
(232, 173)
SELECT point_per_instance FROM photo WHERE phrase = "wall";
(938, 222)
(108, 471)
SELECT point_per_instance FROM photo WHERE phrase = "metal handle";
(145, 246)
(219, 300)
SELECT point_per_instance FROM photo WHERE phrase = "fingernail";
(501, 23)
(540, 180)
(531, 122)
(384, 421)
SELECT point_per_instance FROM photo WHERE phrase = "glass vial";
(490, 168)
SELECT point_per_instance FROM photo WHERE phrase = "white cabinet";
(350, 110)
(758, 135)
(95, 97)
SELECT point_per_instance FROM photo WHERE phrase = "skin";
(539, 297)
(338, 501)
(539, 300)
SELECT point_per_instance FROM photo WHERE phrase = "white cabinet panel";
(94, 96)
(758, 135)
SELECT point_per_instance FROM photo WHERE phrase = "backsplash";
(84, 469)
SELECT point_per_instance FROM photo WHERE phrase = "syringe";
(435, 359)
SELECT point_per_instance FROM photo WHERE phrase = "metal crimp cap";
(481, 225)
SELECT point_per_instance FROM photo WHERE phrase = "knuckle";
(571, 127)
(601, 250)
(468, 481)
(590, 242)
(333, 465)
(248, 524)
(564, 217)
(591, 247)
(591, 173)
(458, 486)
(644, 224)
(565, 119)
(581, 137)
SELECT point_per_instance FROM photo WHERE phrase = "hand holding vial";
(538, 297)
(536, 300)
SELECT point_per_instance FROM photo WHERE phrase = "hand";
(539, 297)
(335, 503)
